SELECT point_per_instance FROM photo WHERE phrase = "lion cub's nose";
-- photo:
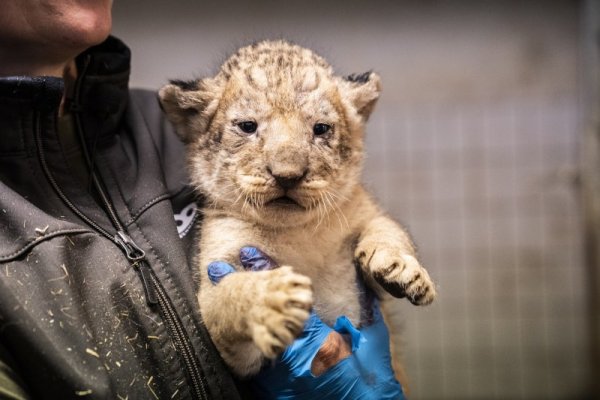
(287, 180)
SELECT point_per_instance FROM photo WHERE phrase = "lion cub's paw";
(401, 275)
(281, 309)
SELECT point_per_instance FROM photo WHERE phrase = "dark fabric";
(73, 153)
(10, 385)
(73, 316)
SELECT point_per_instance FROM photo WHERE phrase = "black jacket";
(75, 318)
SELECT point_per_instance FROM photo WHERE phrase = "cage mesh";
(489, 193)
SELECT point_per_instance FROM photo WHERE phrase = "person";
(97, 280)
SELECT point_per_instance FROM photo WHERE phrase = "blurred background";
(484, 144)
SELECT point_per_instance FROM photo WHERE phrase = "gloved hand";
(365, 373)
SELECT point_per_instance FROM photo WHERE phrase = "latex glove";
(365, 372)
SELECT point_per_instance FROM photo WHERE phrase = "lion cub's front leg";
(255, 315)
(386, 255)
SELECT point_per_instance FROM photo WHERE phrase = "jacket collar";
(100, 99)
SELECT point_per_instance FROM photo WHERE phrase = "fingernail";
(255, 260)
(217, 270)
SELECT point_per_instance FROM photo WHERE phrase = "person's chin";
(88, 27)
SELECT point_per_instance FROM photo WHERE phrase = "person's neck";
(20, 62)
(33, 70)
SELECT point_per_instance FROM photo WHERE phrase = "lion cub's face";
(274, 136)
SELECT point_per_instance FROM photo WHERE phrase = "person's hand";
(324, 363)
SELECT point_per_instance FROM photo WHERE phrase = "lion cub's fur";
(331, 226)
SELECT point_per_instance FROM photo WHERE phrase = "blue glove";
(365, 374)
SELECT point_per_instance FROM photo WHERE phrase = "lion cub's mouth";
(283, 201)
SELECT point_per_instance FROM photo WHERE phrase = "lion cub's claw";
(279, 315)
(403, 276)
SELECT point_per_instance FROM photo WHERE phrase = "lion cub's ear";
(190, 105)
(362, 91)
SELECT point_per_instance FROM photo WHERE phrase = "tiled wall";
(489, 194)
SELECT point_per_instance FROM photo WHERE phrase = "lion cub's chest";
(327, 258)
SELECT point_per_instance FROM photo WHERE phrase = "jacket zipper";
(154, 291)
(156, 294)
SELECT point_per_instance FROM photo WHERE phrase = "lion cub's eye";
(248, 126)
(321, 129)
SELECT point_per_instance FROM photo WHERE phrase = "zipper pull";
(137, 256)
(132, 250)
(146, 274)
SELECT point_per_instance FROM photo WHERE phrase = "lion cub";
(275, 144)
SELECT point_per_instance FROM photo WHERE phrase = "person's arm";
(11, 386)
